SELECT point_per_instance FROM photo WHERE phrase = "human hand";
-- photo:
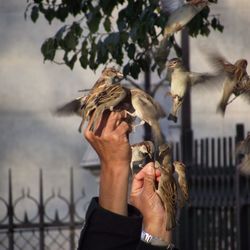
(144, 197)
(110, 141)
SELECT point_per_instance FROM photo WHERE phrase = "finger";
(112, 122)
(149, 180)
(137, 182)
(123, 129)
(102, 123)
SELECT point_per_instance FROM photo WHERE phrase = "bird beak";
(169, 64)
(119, 75)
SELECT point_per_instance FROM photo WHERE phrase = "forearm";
(114, 187)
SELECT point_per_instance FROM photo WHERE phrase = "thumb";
(149, 179)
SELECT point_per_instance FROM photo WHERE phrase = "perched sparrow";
(85, 105)
(180, 169)
(181, 80)
(167, 187)
(140, 151)
(243, 148)
(108, 98)
(149, 111)
(180, 15)
(236, 79)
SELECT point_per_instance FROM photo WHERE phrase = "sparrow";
(243, 148)
(149, 111)
(167, 187)
(236, 80)
(180, 81)
(84, 106)
(180, 14)
(182, 185)
(140, 151)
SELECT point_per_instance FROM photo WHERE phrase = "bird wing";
(167, 190)
(221, 64)
(169, 6)
(110, 97)
(147, 103)
(197, 78)
(71, 108)
(181, 16)
(181, 183)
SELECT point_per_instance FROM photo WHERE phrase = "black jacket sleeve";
(105, 230)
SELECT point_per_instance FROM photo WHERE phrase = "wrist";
(155, 241)
(158, 230)
(114, 188)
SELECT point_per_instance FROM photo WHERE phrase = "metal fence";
(216, 217)
(41, 230)
(218, 212)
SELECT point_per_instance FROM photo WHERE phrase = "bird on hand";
(140, 151)
(108, 94)
(149, 111)
(107, 87)
(167, 187)
(182, 186)
(243, 148)
(180, 81)
(236, 79)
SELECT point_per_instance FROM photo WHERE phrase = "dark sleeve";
(106, 230)
(144, 246)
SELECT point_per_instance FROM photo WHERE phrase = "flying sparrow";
(140, 151)
(85, 105)
(236, 80)
(181, 80)
(149, 111)
(243, 148)
(180, 15)
(167, 187)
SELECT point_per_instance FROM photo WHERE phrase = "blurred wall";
(32, 138)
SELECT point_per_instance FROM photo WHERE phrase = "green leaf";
(76, 29)
(48, 49)
(126, 69)
(93, 21)
(72, 61)
(135, 70)
(62, 13)
(107, 24)
(49, 14)
(102, 52)
(60, 32)
(84, 55)
(70, 41)
(131, 51)
(34, 13)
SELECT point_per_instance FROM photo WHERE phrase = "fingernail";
(150, 170)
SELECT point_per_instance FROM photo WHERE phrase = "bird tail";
(69, 108)
(158, 136)
(221, 108)
(171, 217)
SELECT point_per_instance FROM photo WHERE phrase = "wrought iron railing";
(38, 229)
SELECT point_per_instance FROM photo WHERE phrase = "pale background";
(31, 138)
